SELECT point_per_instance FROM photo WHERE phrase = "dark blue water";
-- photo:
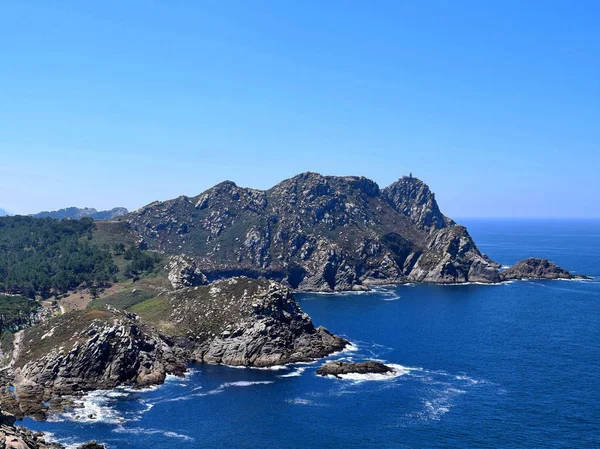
(513, 365)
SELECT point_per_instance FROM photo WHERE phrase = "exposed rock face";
(316, 233)
(534, 268)
(246, 322)
(19, 437)
(339, 368)
(412, 198)
(82, 351)
(183, 272)
(451, 257)
(75, 213)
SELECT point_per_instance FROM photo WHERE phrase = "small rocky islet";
(233, 257)
(337, 368)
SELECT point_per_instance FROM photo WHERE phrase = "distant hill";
(3, 213)
(75, 213)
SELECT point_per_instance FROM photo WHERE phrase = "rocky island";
(534, 268)
(338, 369)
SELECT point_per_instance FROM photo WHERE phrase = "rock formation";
(245, 322)
(534, 268)
(12, 437)
(239, 321)
(339, 368)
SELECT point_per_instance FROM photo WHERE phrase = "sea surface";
(515, 365)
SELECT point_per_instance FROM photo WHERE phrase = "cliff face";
(318, 233)
(412, 198)
(82, 351)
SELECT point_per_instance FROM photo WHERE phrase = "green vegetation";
(46, 256)
(155, 311)
(15, 312)
(141, 262)
(123, 299)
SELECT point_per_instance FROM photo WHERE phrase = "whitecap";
(96, 406)
(143, 431)
(296, 373)
(244, 383)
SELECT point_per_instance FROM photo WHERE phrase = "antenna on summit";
(410, 175)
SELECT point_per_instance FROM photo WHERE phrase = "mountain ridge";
(315, 232)
(75, 213)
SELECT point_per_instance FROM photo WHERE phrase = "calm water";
(514, 365)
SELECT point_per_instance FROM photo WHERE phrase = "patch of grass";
(123, 299)
(111, 233)
(156, 311)
(6, 342)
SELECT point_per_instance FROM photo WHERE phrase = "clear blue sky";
(496, 105)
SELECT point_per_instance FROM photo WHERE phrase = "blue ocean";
(515, 365)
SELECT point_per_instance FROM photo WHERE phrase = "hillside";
(317, 232)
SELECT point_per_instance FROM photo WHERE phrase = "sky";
(494, 104)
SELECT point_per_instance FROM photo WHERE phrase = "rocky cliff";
(314, 232)
(239, 321)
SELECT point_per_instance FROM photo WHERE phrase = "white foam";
(391, 298)
(296, 373)
(96, 406)
(142, 431)
(244, 383)
(303, 401)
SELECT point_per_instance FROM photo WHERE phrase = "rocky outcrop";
(316, 233)
(340, 368)
(245, 322)
(451, 256)
(534, 268)
(82, 351)
(12, 437)
(412, 198)
(184, 272)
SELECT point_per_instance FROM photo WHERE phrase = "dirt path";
(17, 344)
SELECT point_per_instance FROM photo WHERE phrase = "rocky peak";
(413, 198)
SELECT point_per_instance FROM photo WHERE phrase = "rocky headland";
(239, 321)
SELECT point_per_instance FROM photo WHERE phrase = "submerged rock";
(535, 268)
(339, 368)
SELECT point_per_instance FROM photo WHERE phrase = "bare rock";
(534, 268)
(339, 368)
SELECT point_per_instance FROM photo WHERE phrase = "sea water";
(502, 366)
